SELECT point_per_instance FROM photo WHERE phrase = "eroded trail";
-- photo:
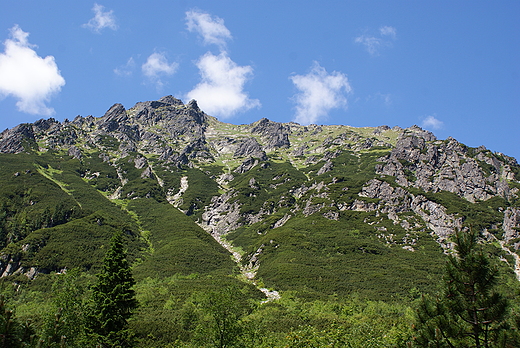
(504, 247)
(515, 256)
(248, 272)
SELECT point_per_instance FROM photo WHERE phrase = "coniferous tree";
(470, 313)
(113, 298)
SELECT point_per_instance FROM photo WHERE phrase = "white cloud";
(157, 66)
(221, 91)
(373, 44)
(319, 93)
(432, 122)
(31, 79)
(388, 31)
(102, 19)
(126, 69)
(212, 29)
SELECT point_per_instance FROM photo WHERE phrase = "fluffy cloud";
(212, 29)
(432, 123)
(31, 79)
(373, 44)
(102, 19)
(319, 93)
(157, 66)
(221, 91)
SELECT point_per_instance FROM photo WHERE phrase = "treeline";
(468, 311)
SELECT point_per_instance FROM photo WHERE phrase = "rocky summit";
(319, 209)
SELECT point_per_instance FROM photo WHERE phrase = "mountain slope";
(320, 210)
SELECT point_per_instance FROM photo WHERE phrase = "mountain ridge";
(253, 186)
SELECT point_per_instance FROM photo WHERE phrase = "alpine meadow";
(160, 226)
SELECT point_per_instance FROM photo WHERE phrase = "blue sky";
(452, 67)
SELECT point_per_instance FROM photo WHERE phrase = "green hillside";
(293, 236)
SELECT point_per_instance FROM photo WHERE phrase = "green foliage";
(355, 169)
(170, 308)
(266, 186)
(108, 142)
(336, 322)
(169, 174)
(98, 173)
(141, 188)
(28, 200)
(220, 314)
(200, 190)
(77, 244)
(51, 218)
(178, 245)
(113, 298)
(478, 215)
(66, 322)
(223, 316)
(315, 256)
(56, 214)
(137, 186)
(13, 334)
(469, 312)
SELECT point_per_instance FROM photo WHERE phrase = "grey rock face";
(148, 173)
(381, 129)
(220, 216)
(395, 200)
(511, 226)
(247, 165)
(74, 152)
(300, 151)
(44, 125)
(140, 162)
(327, 167)
(13, 140)
(198, 148)
(170, 100)
(249, 147)
(274, 134)
(114, 117)
(420, 161)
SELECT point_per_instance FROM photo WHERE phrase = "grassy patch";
(179, 245)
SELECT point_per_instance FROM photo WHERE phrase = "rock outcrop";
(16, 140)
(274, 134)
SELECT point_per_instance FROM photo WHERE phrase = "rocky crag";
(242, 183)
